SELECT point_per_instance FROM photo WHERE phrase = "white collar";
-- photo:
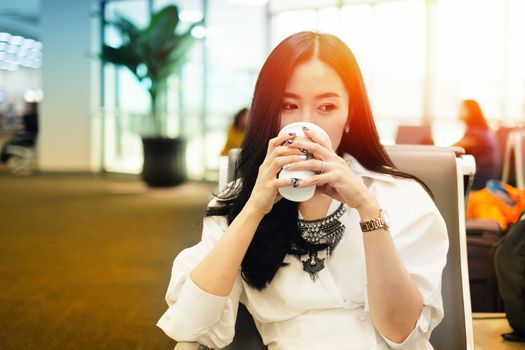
(363, 172)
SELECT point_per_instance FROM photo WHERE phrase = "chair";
(19, 153)
(445, 179)
(514, 159)
(483, 235)
(443, 170)
(502, 137)
(414, 135)
(21, 161)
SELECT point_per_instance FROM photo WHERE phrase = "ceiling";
(20, 17)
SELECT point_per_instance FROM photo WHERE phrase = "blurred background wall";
(420, 58)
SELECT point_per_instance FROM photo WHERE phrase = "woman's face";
(316, 94)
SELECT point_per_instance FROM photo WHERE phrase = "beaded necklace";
(325, 231)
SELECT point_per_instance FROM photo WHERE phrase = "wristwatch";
(380, 222)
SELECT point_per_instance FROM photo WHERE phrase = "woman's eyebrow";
(318, 97)
(291, 95)
(327, 94)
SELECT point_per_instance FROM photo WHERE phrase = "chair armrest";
(183, 345)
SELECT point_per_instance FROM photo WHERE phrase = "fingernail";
(305, 128)
(286, 166)
(309, 154)
(295, 182)
(292, 134)
(289, 142)
(302, 156)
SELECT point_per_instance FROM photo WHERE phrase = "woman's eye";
(327, 107)
(289, 106)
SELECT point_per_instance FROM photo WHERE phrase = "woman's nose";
(307, 116)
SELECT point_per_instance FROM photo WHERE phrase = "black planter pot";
(164, 161)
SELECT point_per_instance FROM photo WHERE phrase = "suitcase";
(482, 237)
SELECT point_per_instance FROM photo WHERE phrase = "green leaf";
(124, 55)
(126, 28)
(161, 28)
(178, 54)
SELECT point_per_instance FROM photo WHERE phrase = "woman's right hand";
(265, 191)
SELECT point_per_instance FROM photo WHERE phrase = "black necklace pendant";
(313, 265)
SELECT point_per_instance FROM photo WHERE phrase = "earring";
(347, 128)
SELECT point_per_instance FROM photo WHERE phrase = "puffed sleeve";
(420, 236)
(193, 314)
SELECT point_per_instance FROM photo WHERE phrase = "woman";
(236, 131)
(478, 141)
(352, 289)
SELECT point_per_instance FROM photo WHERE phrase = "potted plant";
(153, 54)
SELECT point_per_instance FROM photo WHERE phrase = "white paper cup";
(297, 194)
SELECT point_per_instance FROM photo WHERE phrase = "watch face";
(386, 218)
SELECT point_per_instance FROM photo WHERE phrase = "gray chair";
(414, 135)
(444, 170)
(502, 137)
(514, 159)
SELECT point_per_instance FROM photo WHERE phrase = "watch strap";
(374, 224)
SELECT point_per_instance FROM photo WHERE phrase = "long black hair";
(278, 229)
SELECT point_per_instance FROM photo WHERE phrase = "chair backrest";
(502, 137)
(441, 168)
(514, 159)
(414, 135)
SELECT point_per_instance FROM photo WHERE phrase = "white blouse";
(295, 312)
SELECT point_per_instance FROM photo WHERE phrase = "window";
(287, 23)
(470, 55)
(126, 102)
(217, 80)
(420, 58)
(398, 60)
(388, 41)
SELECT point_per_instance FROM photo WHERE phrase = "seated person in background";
(236, 131)
(30, 118)
(26, 136)
(479, 141)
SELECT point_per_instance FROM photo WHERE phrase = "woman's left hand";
(334, 177)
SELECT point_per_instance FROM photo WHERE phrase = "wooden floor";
(488, 328)
(85, 262)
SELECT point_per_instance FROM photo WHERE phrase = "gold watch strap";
(374, 224)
